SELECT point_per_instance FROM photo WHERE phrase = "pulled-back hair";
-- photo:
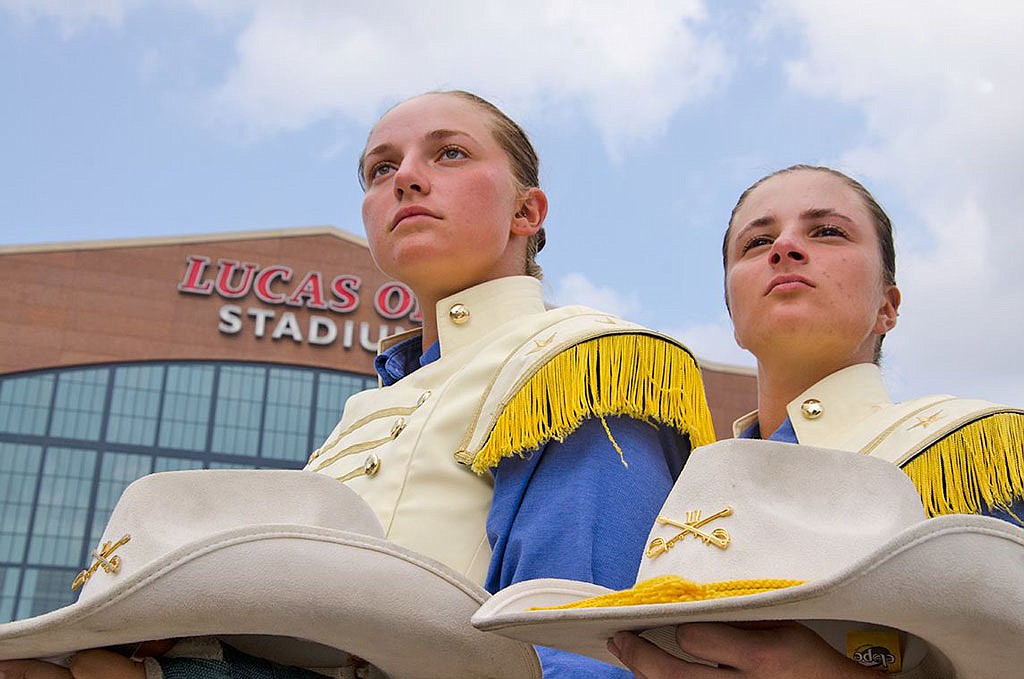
(522, 159)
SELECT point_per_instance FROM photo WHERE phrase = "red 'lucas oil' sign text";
(273, 285)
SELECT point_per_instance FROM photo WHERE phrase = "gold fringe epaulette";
(641, 376)
(974, 468)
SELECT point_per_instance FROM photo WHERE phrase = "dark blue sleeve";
(1014, 515)
(574, 510)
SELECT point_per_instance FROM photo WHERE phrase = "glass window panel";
(19, 472)
(60, 523)
(8, 592)
(173, 464)
(333, 391)
(45, 590)
(135, 404)
(140, 415)
(186, 413)
(239, 410)
(286, 419)
(78, 407)
(231, 465)
(117, 470)
(25, 403)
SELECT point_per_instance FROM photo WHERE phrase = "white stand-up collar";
(468, 315)
(832, 406)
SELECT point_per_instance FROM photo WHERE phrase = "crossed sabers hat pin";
(104, 558)
(719, 537)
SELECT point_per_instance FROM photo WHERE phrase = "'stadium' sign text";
(273, 285)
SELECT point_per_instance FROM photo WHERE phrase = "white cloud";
(708, 341)
(628, 69)
(942, 91)
(575, 288)
(713, 342)
(963, 323)
(71, 17)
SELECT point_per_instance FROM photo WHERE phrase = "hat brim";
(954, 581)
(405, 613)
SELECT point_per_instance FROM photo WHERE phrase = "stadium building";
(123, 358)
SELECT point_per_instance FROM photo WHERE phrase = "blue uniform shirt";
(571, 509)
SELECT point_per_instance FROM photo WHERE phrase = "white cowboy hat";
(290, 554)
(837, 540)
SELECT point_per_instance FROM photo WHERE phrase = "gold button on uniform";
(423, 398)
(398, 427)
(811, 408)
(459, 313)
(372, 465)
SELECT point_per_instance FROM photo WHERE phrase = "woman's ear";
(889, 310)
(531, 211)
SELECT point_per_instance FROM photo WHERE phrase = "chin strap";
(667, 589)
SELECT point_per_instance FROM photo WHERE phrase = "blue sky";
(126, 119)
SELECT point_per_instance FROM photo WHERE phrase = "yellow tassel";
(976, 467)
(670, 589)
(608, 433)
(639, 376)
